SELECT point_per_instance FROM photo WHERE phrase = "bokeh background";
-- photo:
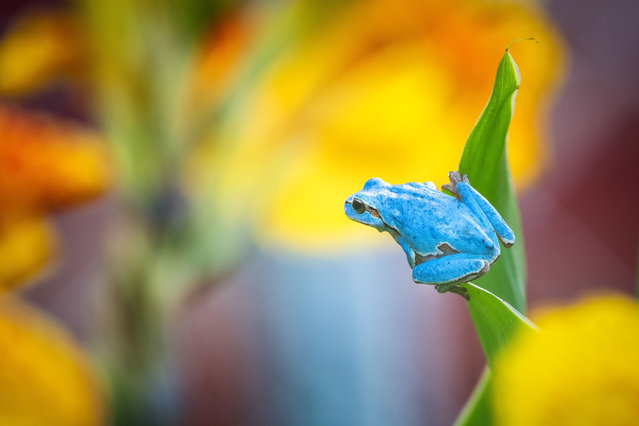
(313, 327)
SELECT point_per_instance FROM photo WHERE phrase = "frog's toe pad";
(508, 240)
(455, 178)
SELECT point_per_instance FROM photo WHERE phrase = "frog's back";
(427, 218)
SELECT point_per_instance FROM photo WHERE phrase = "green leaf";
(477, 411)
(484, 161)
(495, 320)
(494, 310)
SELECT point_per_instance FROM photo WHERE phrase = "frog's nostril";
(358, 206)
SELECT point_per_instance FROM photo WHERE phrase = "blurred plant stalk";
(143, 53)
(178, 228)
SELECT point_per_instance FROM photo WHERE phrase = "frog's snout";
(347, 205)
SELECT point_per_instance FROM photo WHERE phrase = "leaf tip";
(517, 40)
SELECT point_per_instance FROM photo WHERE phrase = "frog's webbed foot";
(455, 178)
(453, 288)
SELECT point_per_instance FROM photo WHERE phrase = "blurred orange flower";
(47, 163)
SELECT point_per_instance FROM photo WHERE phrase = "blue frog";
(448, 240)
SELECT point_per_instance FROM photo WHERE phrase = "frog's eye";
(358, 206)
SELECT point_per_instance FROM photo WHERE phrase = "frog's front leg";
(448, 271)
(480, 206)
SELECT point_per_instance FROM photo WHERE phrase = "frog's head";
(364, 206)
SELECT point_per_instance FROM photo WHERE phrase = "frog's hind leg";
(480, 206)
(448, 271)
(502, 229)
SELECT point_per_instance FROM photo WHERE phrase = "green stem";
(478, 410)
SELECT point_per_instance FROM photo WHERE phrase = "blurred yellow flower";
(45, 164)
(41, 47)
(383, 88)
(44, 379)
(26, 245)
(580, 369)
